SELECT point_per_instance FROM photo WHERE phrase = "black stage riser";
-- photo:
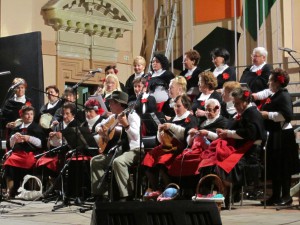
(156, 213)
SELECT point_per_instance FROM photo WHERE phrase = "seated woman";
(227, 108)
(111, 84)
(158, 159)
(146, 103)
(177, 87)
(239, 144)
(207, 85)
(187, 163)
(25, 142)
(51, 163)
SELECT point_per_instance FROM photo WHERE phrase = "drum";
(45, 120)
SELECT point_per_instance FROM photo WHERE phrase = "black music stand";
(80, 140)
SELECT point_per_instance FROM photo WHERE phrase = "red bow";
(258, 72)
(226, 76)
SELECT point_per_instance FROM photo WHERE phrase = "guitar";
(113, 130)
(169, 140)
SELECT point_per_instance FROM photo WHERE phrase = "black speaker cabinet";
(180, 212)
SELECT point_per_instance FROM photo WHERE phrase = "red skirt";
(21, 159)
(158, 156)
(51, 162)
(187, 163)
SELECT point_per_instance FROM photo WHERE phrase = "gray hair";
(212, 101)
(261, 50)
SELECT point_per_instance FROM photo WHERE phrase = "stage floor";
(39, 213)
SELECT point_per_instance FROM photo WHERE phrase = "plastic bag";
(33, 194)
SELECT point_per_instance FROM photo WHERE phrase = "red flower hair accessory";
(28, 103)
(20, 113)
(280, 78)
(246, 94)
(258, 72)
(226, 76)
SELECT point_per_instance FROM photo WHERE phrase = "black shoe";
(286, 201)
(271, 201)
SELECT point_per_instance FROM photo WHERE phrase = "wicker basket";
(213, 180)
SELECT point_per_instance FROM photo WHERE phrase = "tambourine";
(45, 120)
(18, 122)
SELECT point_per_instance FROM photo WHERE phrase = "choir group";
(207, 122)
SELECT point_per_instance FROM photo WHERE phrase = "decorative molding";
(103, 18)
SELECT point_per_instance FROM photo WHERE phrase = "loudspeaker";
(180, 212)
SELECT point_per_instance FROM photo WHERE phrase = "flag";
(251, 16)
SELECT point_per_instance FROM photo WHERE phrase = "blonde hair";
(19, 79)
(139, 59)
(231, 85)
(180, 81)
(115, 78)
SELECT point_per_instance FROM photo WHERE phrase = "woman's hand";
(193, 132)
(200, 113)
(222, 133)
(265, 114)
(165, 126)
(203, 132)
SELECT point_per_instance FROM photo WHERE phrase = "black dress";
(129, 85)
(257, 81)
(11, 110)
(201, 104)
(227, 75)
(282, 149)
(192, 80)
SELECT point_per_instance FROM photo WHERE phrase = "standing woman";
(158, 81)
(139, 64)
(282, 149)
(191, 72)
(221, 70)
(13, 105)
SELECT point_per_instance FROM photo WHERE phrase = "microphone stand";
(87, 77)
(138, 179)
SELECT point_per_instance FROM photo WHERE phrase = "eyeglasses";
(255, 56)
(209, 110)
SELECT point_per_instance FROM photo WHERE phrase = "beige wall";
(22, 16)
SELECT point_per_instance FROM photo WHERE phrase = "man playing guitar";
(128, 140)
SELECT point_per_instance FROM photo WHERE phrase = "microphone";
(16, 85)
(98, 70)
(5, 73)
(287, 49)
